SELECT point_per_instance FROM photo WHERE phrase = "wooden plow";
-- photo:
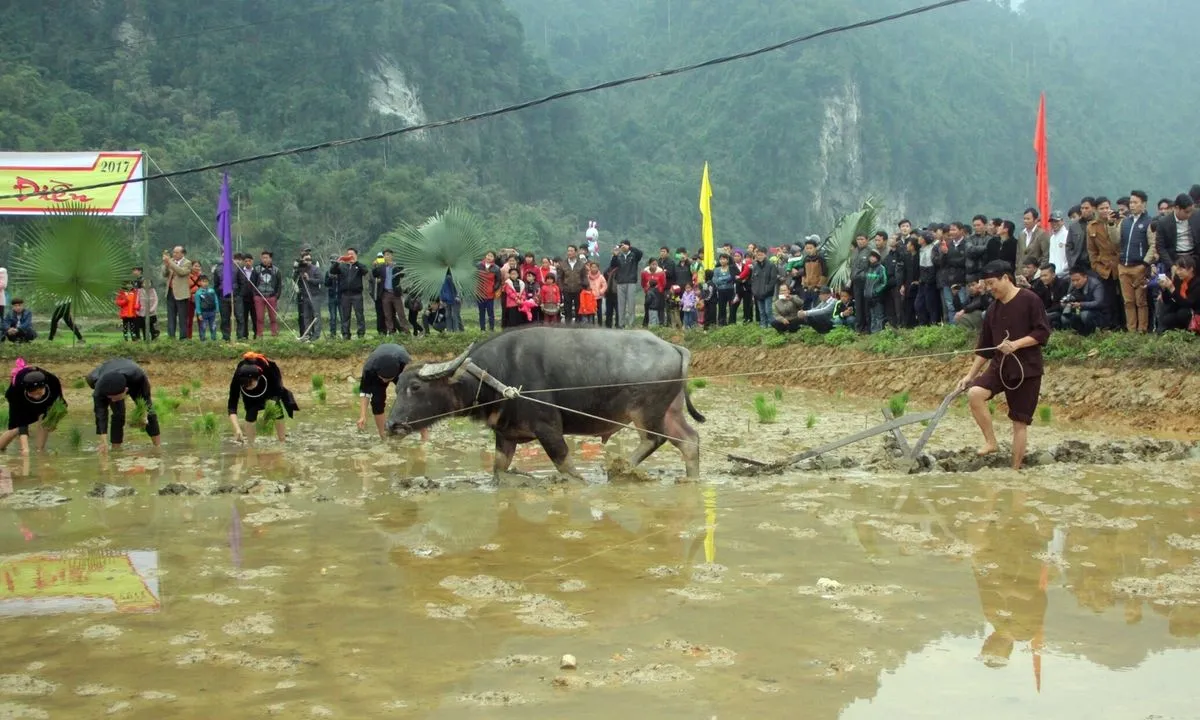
(751, 466)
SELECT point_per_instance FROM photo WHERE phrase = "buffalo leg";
(505, 449)
(652, 439)
(556, 447)
(683, 436)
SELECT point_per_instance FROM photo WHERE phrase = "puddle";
(298, 579)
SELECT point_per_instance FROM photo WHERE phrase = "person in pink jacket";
(598, 284)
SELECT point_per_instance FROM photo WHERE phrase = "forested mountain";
(933, 114)
(194, 83)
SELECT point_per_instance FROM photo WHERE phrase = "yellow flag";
(706, 229)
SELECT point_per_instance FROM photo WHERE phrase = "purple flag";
(225, 233)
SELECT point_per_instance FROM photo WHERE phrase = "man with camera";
(350, 274)
(1085, 307)
(389, 295)
(306, 273)
(176, 271)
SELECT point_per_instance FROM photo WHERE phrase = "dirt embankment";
(1157, 400)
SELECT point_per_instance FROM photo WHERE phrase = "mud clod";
(107, 491)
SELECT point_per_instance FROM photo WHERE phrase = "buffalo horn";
(437, 371)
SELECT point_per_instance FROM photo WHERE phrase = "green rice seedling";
(778, 392)
(698, 383)
(196, 383)
(766, 410)
(138, 415)
(266, 419)
(357, 389)
(318, 383)
(205, 425)
(185, 391)
(811, 421)
(54, 415)
(321, 396)
(1045, 414)
(79, 383)
(991, 407)
(75, 438)
(898, 404)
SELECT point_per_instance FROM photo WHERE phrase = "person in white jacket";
(3, 291)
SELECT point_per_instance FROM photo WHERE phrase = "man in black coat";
(350, 274)
(1178, 231)
(1077, 252)
(243, 296)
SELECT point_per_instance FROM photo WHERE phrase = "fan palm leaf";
(452, 241)
(74, 255)
(839, 246)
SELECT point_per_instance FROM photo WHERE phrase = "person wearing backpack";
(207, 306)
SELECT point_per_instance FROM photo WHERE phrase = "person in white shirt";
(1058, 243)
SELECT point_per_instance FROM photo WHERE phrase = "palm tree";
(73, 257)
(839, 246)
(451, 242)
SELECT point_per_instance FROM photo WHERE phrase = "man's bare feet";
(987, 449)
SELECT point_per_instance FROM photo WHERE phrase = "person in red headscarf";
(257, 381)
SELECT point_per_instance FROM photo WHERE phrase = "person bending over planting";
(383, 366)
(258, 383)
(31, 395)
(112, 382)
(1016, 326)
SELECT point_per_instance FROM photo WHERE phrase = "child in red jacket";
(550, 298)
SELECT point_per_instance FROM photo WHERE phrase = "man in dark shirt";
(1017, 327)
(350, 274)
(1051, 289)
(382, 368)
(112, 382)
(1085, 309)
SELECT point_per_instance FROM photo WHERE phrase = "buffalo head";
(424, 395)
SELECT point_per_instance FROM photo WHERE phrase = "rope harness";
(508, 392)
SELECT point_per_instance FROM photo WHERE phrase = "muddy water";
(1066, 591)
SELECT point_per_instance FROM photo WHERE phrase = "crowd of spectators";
(1114, 266)
(1125, 266)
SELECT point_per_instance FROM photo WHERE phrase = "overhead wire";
(561, 95)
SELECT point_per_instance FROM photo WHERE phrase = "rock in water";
(828, 585)
(568, 662)
(107, 491)
(177, 489)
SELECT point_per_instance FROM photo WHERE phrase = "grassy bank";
(1181, 350)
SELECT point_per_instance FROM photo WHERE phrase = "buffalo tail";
(686, 356)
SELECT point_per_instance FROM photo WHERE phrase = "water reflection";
(1012, 581)
(1018, 595)
(85, 582)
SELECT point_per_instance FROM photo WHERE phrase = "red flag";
(1043, 165)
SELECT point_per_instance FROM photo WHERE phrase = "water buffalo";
(618, 376)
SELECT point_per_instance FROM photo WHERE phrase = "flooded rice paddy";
(339, 577)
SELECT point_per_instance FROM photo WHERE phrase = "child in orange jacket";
(127, 309)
